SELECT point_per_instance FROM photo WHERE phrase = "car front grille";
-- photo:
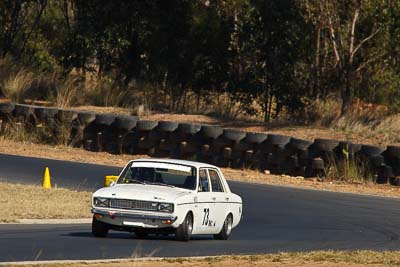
(133, 204)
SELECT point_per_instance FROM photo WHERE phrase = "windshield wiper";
(133, 180)
(162, 184)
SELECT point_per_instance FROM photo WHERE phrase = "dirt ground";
(80, 155)
(312, 259)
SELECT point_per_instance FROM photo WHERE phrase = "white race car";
(166, 196)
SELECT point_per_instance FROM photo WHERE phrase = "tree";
(19, 20)
(352, 25)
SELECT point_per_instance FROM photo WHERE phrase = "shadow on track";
(117, 235)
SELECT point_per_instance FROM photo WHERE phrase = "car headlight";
(166, 207)
(101, 202)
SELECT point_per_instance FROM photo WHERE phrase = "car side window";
(204, 185)
(215, 181)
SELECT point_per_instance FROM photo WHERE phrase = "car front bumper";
(120, 218)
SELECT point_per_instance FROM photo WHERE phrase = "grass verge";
(33, 202)
(315, 258)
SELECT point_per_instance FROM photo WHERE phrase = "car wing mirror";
(110, 180)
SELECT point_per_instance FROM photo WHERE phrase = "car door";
(219, 196)
(204, 205)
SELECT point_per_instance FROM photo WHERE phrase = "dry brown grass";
(67, 92)
(59, 134)
(316, 258)
(105, 92)
(363, 123)
(33, 202)
(322, 112)
(16, 85)
(383, 131)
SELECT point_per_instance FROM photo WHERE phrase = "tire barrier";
(6, 110)
(279, 154)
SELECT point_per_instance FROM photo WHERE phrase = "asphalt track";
(275, 219)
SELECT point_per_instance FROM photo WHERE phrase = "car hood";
(142, 192)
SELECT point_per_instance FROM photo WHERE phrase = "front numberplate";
(144, 223)
(139, 224)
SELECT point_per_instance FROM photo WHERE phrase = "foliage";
(281, 54)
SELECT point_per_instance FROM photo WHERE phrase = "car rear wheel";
(99, 229)
(184, 231)
(226, 229)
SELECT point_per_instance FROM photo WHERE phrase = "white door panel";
(221, 198)
(222, 208)
(205, 217)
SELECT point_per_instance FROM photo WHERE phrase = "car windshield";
(171, 175)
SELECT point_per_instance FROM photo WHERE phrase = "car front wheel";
(184, 231)
(226, 229)
(99, 229)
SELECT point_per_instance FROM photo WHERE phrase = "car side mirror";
(110, 180)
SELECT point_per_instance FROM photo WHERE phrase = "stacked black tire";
(278, 154)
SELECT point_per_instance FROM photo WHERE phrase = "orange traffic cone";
(46, 179)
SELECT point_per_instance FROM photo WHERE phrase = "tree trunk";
(266, 106)
(316, 85)
(346, 90)
(198, 97)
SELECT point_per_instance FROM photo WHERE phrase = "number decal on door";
(206, 216)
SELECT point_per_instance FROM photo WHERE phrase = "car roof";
(177, 161)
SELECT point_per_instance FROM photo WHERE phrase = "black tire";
(66, 115)
(226, 229)
(392, 152)
(277, 139)
(189, 128)
(371, 151)
(299, 144)
(86, 118)
(105, 119)
(354, 148)
(392, 158)
(255, 138)
(385, 171)
(346, 147)
(167, 126)
(24, 110)
(325, 144)
(227, 153)
(184, 231)
(211, 131)
(99, 229)
(146, 125)
(6, 108)
(234, 135)
(377, 161)
(45, 113)
(125, 123)
(385, 174)
(395, 181)
(317, 164)
(316, 168)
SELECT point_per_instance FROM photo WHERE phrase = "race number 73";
(206, 216)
